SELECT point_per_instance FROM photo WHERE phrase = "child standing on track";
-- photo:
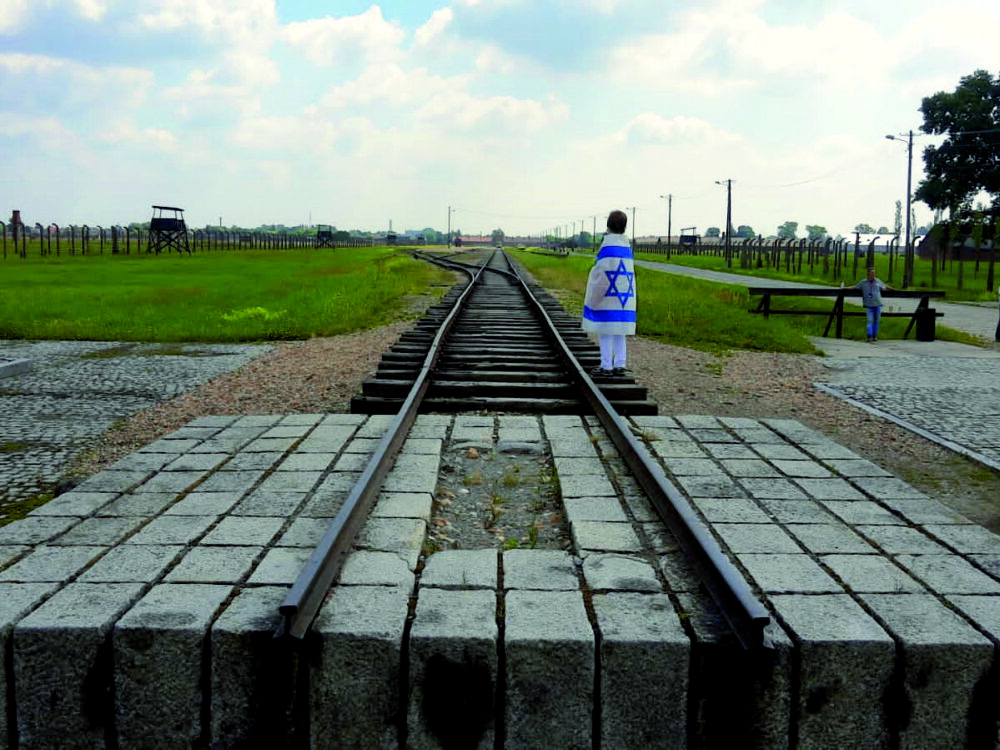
(609, 305)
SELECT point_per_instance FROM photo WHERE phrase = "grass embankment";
(210, 297)
(707, 315)
(973, 283)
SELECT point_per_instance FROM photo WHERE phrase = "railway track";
(499, 354)
(426, 364)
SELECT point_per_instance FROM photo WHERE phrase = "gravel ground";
(321, 375)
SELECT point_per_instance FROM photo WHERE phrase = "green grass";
(210, 297)
(973, 283)
(707, 315)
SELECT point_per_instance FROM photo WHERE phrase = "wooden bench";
(838, 313)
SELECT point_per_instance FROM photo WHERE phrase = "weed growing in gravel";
(12, 447)
(510, 544)
(474, 479)
(510, 480)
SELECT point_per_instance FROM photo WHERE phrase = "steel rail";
(745, 614)
(324, 565)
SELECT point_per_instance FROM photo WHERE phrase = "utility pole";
(908, 252)
(632, 209)
(450, 210)
(908, 265)
(729, 220)
(593, 236)
(670, 202)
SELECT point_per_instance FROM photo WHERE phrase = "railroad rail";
(745, 615)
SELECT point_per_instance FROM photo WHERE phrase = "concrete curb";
(10, 367)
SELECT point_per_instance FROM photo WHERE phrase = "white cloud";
(82, 82)
(327, 41)
(13, 14)
(285, 134)
(49, 132)
(125, 132)
(432, 31)
(652, 129)
(391, 84)
(92, 10)
(245, 21)
(234, 86)
(461, 111)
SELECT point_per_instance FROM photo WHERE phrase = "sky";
(531, 116)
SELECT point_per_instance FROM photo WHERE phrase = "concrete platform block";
(214, 565)
(62, 666)
(461, 570)
(944, 661)
(133, 563)
(645, 656)
(611, 572)
(364, 568)
(18, 600)
(57, 564)
(354, 689)
(250, 672)
(789, 574)
(159, 672)
(594, 509)
(173, 530)
(35, 529)
(736, 698)
(549, 647)
(403, 536)
(453, 670)
(427, 446)
(846, 668)
(404, 505)
(539, 569)
(602, 536)
(75, 504)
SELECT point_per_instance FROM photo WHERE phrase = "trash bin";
(925, 323)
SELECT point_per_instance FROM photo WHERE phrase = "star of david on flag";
(613, 277)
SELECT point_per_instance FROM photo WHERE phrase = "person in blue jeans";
(871, 297)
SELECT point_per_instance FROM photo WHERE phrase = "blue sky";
(523, 115)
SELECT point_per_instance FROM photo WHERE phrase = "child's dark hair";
(617, 221)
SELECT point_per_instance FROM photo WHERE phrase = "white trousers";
(612, 350)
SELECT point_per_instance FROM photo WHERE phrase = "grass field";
(210, 297)
(973, 282)
(707, 315)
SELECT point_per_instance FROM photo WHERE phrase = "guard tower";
(167, 232)
(324, 235)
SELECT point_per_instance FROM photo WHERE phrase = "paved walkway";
(947, 392)
(56, 397)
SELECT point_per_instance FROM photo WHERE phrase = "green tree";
(965, 162)
(898, 221)
(864, 228)
(745, 230)
(883, 230)
(787, 230)
(497, 236)
(713, 232)
(815, 232)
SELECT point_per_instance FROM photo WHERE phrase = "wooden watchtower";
(324, 235)
(167, 232)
